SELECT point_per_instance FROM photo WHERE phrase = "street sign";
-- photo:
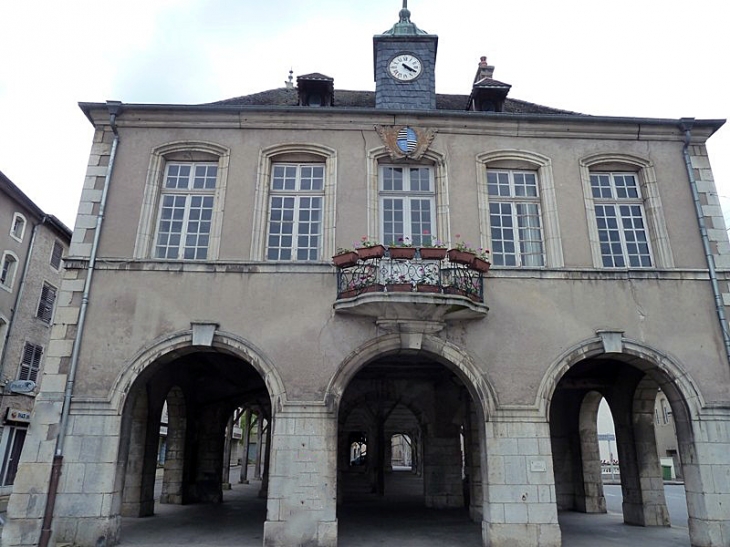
(606, 437)
(21, 386)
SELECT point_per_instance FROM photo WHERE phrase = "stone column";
(246, 444)
(520, 506)
(226, 479)
(591, 498)
(208, 474)
(707, 478)
(259, 443)
(442, 471)
(172, 478)
(301, 507)
(267, 458)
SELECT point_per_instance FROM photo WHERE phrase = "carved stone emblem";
(403, 141)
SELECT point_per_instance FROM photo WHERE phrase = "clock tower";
(405, 63)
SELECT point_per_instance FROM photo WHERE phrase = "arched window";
(184, 193)
(8, 269)
(17, 228)
(625, 216)
(517, 209)
(294, 214)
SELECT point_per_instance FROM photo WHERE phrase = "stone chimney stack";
(485, 70)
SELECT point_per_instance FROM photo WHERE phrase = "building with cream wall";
(498, 387)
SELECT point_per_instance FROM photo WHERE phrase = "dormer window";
(315, 90)
(488, 94)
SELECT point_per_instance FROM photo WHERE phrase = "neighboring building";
(32, 246)
(210, 288)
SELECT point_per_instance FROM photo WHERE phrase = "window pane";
(393, 220)
(420, 179)
(392, 178)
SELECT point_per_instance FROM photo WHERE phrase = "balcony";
(409, 284)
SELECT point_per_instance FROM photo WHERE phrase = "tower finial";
(405, 14)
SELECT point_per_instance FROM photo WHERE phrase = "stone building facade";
(209, 286)
(32, 247)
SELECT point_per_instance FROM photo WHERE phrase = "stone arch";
(520, 159)
(169, 347)
(261, 202)
(449, 355)
(668, 373)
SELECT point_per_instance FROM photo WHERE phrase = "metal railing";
(390, 275)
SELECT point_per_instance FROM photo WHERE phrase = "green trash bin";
(667, 472)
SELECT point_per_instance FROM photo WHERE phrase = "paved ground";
(395, 521)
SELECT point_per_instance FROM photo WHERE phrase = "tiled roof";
(366, 99)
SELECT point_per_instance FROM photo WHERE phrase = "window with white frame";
(8, 267)
(17, 229)
(407, 202)
(186, 211)
(56, 255)
(46, 303)
(31, 363)
(296, 201)
(620, 219)
(515, 219)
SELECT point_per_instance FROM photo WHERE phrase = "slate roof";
(315, 76)
(366, 99)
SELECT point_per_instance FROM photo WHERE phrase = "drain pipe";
(114, 108)
(686, 126)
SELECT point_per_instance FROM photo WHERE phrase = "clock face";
(405, 67)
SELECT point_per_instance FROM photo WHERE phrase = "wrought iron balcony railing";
(393, 272)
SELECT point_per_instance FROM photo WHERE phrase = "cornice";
(445, 122)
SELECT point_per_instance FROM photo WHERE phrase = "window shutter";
(47, 301)
(31, 362)
(57, 255)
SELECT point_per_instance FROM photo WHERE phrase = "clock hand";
(408, 67)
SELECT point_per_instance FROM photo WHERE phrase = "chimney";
(485, 70)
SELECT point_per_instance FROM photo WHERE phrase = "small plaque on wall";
(538, 466)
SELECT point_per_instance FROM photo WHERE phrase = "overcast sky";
(645, 58)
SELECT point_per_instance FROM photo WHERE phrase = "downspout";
(114, 108)
(19, 295)
(686, 126)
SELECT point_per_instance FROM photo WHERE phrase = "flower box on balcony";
(349, 293)
(402, 253)
(425, 287)
(480, 264)
(367, 253)
(461, 257)
(345, 260)
(454, 290)
(399, 287)
(432, 253)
